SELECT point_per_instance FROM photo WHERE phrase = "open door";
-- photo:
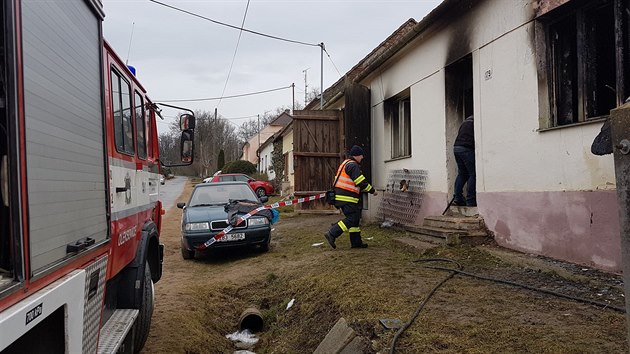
(459, 105)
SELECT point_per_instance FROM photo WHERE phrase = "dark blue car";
(205, 215)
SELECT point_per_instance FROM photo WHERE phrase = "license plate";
(232, 237)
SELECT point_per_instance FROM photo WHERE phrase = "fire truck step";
(115, 330)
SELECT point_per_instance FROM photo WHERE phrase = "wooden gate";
(318, 145)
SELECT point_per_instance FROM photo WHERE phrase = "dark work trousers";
(465, 158)
(350, 223)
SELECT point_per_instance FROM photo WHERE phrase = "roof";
(269, 140)
(284, 131)
(282, 120)
(206, 185)
(408, 31)
(339, 86)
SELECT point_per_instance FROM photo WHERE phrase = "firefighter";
(349, 184)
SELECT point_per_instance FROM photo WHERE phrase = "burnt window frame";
(399, 124)
(584, 107)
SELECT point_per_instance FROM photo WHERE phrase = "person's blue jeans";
(465, 158)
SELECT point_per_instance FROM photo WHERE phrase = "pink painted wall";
(580, 227)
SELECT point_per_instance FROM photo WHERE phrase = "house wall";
(538, 191)
(265, 161)
(249, 151)
(287, 148)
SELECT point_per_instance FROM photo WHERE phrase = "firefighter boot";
(355, 240)
(330, 238)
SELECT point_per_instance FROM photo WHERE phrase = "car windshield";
(213, 194)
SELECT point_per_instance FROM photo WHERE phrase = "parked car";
(162, 180)
(261, 188)
(205, 215)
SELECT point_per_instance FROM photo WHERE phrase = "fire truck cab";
(80, 214)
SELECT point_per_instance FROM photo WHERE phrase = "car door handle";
(121, 189)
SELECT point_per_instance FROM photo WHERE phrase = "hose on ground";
(392, 349)
(528, 287)
(459, 271)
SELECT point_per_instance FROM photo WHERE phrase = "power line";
(240, 33)
(333, 63)
(237, 118)
(219, 98)
(235, 27)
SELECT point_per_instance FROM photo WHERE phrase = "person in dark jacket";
(350, 183)
(464, 150)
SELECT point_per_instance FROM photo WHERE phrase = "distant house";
(286, 135)
(250, 148)
(264, 152)
(540, 77)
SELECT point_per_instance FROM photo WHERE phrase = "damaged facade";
(540, 78)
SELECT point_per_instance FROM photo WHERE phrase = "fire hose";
(242, 218)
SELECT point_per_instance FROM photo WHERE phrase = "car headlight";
(257, 221)
(197, 226)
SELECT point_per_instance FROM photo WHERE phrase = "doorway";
(459, 105)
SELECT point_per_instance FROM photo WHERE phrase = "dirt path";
(199, 302)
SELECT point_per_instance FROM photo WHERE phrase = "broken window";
(586, 78)
(399, 114)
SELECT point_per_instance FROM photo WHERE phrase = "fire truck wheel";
(186, 254)
(146, 311)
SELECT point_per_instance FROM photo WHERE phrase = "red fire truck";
(79, 185)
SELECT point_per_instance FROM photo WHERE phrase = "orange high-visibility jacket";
(350, 182)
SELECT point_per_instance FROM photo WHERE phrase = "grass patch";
(284, 209)
(382, 281)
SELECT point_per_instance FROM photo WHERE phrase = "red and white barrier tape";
(218, 236)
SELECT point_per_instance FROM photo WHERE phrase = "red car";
(261, 188)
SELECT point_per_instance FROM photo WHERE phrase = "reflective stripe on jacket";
(351, 182)
(343, 179)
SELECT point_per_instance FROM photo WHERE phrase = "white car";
(162, 181)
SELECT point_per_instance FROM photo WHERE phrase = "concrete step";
(462, 211)
(454, 222)
(447, 236)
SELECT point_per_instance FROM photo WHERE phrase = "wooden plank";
(545, 6)
(317, 154)
(307, 193)
(358, 125)
(328, 118)
(619, 51)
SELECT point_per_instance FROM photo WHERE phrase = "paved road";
(171, 190)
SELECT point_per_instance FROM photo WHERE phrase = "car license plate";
(232, 237)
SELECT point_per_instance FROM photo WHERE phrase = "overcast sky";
(179, 56)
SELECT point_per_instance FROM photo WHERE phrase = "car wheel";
(186, 254)
(260, 192)
(143, 322)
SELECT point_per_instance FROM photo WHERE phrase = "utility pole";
(321, 94)
(305, 87)
(258, 148)
(620, 127)
(293, 99)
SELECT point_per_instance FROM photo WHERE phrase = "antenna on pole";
(305, 86)
(133, 24)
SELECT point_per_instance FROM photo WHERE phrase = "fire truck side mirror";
(187, 146)
(186, 122)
